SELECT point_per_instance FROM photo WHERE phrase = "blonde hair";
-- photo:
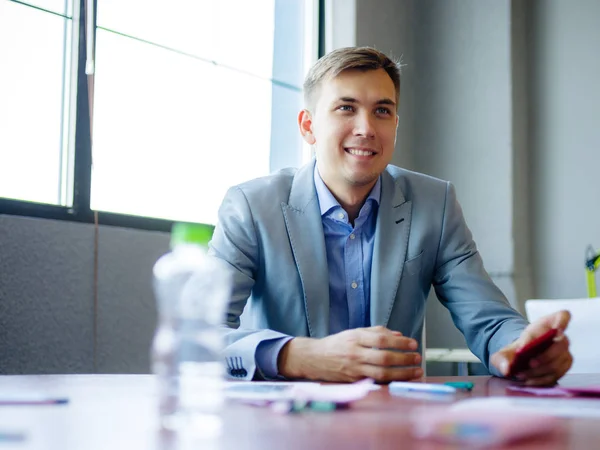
(341, 59)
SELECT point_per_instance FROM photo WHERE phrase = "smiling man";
(354, 116)
(332, 263)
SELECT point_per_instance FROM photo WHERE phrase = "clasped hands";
(385, 355)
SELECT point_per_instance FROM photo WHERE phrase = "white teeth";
(357, 152)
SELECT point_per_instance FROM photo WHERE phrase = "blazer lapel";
(305, 231)
(389, 252)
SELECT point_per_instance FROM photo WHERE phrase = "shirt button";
(352, 236)
(354, 285)
(340, 215)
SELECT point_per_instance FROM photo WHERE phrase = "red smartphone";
(535, 348)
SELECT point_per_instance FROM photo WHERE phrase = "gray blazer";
(270, 235)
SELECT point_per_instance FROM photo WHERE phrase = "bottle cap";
(191, 233)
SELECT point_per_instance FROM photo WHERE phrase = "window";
(187, 100)
(36, 57)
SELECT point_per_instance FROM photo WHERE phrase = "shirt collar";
(326, 199)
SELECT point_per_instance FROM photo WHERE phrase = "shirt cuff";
(266, 356)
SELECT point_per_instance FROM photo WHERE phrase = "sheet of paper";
(592, 391)
(471, 429)
(275, 391)
(559, 391)
(337, 393)
(261, 390)
(541, 391)
(563, 407)
(426, 396)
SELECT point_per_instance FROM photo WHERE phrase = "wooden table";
(119, 412)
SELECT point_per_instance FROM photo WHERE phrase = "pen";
(11, 436)
(423, 387)
(296, 406)
(16, 401)
(466, 385)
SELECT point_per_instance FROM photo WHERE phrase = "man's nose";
(364, 126)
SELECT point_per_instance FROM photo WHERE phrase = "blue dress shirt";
(349, 256)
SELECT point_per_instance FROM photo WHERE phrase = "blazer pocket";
(412, 266)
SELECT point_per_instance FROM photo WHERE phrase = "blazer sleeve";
(477, 306)
(235, 242)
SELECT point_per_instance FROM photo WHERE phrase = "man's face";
(353, 128)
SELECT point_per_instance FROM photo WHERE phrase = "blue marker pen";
(422, 387)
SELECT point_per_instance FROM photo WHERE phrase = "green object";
(591, 265)
(191, 233)
(323, 406)
(296, 406)
(466, 385)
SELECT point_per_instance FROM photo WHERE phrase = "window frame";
(80, 211)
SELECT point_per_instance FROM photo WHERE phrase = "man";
(332, 263)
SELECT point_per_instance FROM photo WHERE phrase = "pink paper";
(472, 428)
(542, 391)
(590, 391)
(559, 391)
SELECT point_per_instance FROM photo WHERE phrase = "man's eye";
(346, 108)
(383, 111)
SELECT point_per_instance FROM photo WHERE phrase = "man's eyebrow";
(386, 101)
(383, 101)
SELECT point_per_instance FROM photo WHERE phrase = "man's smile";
(359, 151)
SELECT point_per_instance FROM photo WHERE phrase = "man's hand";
(547, 368)
(352, 355)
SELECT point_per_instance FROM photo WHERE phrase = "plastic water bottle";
(192, 290)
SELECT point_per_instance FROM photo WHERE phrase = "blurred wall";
(564, 91)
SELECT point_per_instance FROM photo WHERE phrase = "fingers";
(552, 367)
(547, 368)
(548, 375)
(544, 370)
(558, 320)
(501, 362)
(502, 358)
(561, 319)
(380, 337)
(557, 360)
(386, 355)
(374, 352)
(546, 380)
(388, 374)
(387, 358)
(557, 349)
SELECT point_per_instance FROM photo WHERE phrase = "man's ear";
(305, 124)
